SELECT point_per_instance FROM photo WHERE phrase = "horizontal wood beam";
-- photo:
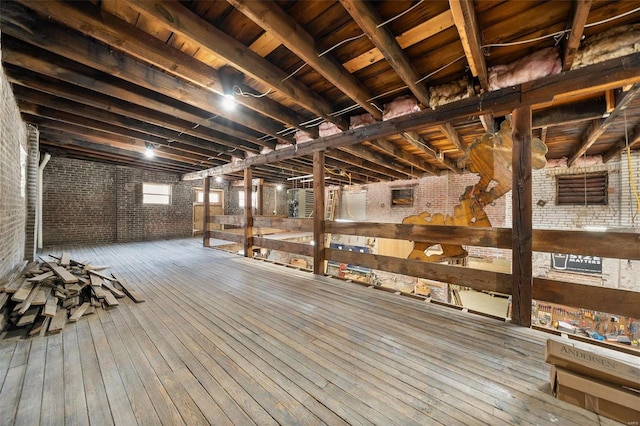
(226, 236)
(601, 299)
(474, 278)
(605, 74)
(290, 224)
(286, 246)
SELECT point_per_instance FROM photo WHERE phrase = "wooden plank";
(40, 297)
(110, 299)
(65, 275)
(27, 302)
(13, 275)
(51, 306)
(318, 213)
(31, 393)
(77, 314)
(235, 220)
(522, 267)
(117, 293)
(41, 277)
(98, 292)
(29, 317)
(98, 274)
(14, 285)
(474, 278)
(286, 246)
(65, 259)
(127, 288)
(58, 322)
(226, 236)
(41, 323)
(291, 224)
(52, 411)
(23, 292)
(75, 400)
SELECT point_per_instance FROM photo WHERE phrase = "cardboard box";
(614, 402)
(593, 361)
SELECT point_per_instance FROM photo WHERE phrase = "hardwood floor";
(227, 340)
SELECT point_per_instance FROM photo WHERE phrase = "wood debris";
(44, 295)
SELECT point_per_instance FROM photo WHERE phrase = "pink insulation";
(301, 136)
(449, 92)
(532, 67)
(328, 129)
(361, 120)
(618, 41)
(400, 106)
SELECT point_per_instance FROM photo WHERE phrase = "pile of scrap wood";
(46, 294)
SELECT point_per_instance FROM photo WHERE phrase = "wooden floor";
(227, 340)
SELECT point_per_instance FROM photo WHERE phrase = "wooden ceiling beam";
(411, 160)
(416, 141)
(353, 160)
(133, 137)
(607, 74)
(64, 140)
(597, 128)
(25, 80)
(182, 21)
(451, 134)
(357, 173)
(577, 112)
(368, 19)
(268, 15)
(464, 16)
(184, 142)
(37, 63)
(65, 44)
(581, 10)
(410, 37)
(376, 158)
(80, 150)
(107, 28)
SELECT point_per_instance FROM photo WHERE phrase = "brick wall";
(87, 202)
(13, 179)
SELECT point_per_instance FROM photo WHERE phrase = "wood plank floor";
(227, 340)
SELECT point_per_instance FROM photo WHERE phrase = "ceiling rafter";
(411, 160)
(412, 137)
(598, 127)
(581, 10)
(182, 21)
(144, 47)
(272, 18)
(621, 145)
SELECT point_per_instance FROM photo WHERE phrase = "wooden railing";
(603, 244)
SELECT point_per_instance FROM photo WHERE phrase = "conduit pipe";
(43, 163)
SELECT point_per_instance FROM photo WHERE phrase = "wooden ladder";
(332, 203)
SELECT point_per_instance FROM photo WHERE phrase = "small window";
(588, 189)
(402, 197)
(214, 197)
(241, 199)
(156, 193)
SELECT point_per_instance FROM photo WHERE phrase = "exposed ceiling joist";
(273, 19)
(580, 14)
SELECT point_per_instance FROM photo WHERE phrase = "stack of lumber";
(46, 294)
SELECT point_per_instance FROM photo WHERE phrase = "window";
(402, 197)
(254, 199)
(214, 197)
(156, 193)
(583, 189)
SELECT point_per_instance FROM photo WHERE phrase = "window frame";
(147, 191)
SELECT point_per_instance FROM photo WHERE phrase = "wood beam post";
(318, 212)
(206, 213)
(248, 213)
(522, 240)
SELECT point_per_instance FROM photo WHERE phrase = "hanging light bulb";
(229, 102)
(149, 153)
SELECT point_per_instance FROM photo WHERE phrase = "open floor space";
(224, 339)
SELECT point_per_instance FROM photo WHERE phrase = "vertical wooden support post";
(206, 213)
(259, 207)
(318, 212)
(248, 213)
(522, 270)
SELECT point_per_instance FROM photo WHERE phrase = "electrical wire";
(382, 24)
(335, 46)
(247, 94)
(439, 69)
(294, 73)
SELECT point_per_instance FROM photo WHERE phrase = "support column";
(32, 193)
(318, 212)
(206, 213)
(248, 213)
(259, 189)
(522, 270)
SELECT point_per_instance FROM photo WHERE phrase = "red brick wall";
(88, 202)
